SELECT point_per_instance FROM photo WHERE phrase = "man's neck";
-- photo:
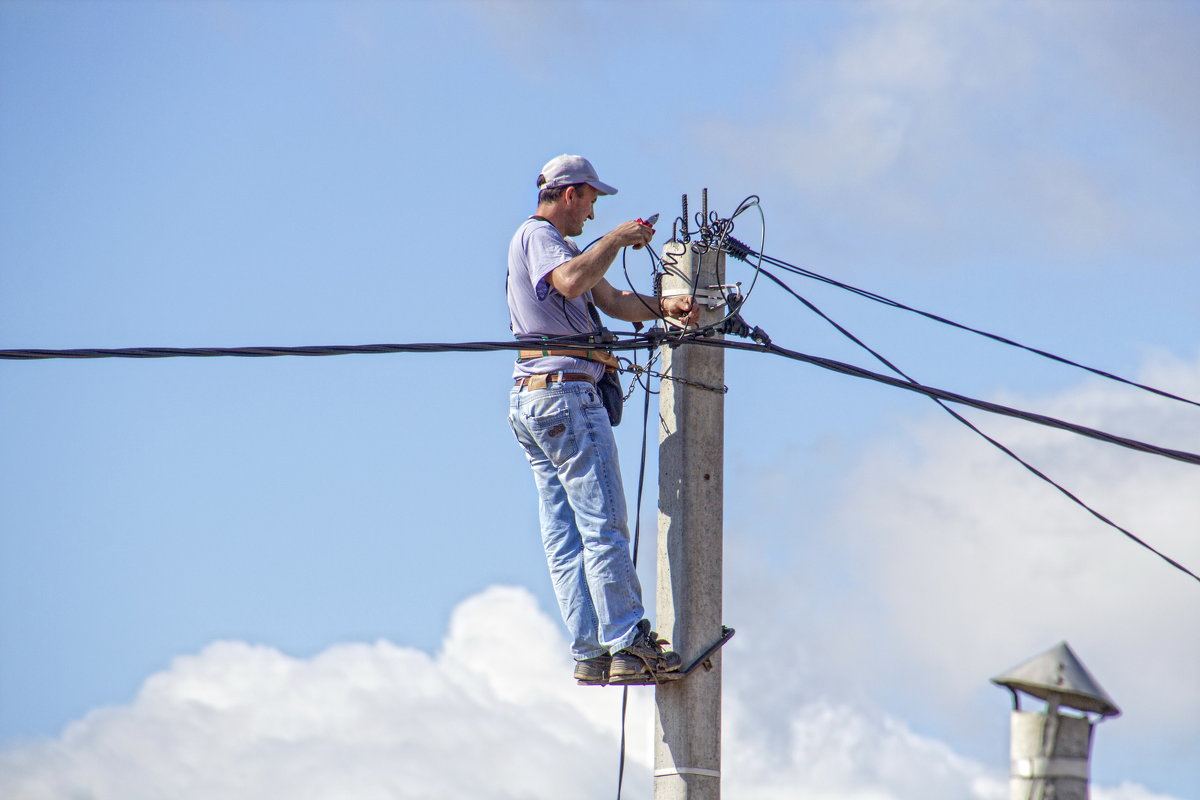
(551, 214)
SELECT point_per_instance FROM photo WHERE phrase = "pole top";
(1058, 675)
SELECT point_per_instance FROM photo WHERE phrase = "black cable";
(632, 341)
(637, 537)
(744, 252)
(714, 233)
(1004, 449)
(953, 397)
(580, 341)
(652, 338)
(268, 352)
(567, 316)
(656, 313)
(721, 231)
(724, 230)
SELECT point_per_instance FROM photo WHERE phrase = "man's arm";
(634, 307)
(585, 271)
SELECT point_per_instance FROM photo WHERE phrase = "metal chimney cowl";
(1058, 676)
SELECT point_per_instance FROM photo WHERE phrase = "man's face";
(581, 201)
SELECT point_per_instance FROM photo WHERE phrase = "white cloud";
(894, 91)
(995, 123)
(494, 714)
(973, 565)
(937, 563)
(1126, 791)
(831, 752)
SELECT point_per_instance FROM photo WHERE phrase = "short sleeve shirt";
(535, 307)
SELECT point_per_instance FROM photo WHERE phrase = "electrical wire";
(637, 537)
(991, 440)
(716, 234)
(719, 230)
(713, 228)
(656, 313)
(655, 338)
(953, 397)
(631, 341)
(742, 252)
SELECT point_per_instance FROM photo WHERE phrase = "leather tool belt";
(609, 385)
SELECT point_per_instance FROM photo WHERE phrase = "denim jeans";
(566, 435)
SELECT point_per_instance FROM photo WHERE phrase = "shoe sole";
(646, 679)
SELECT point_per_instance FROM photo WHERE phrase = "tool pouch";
(611, 395)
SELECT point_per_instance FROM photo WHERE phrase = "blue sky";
(267, 173)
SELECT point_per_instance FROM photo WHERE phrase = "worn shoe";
(593, 671)
(644, 659)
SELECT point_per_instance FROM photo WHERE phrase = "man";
(559, 419)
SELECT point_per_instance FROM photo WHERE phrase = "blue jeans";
(566, 435)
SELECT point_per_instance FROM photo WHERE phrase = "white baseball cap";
(567, 170)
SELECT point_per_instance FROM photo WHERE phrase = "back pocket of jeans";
(554, 434)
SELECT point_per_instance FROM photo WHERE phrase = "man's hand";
(586, 271)
(631, 234)
(682, 308)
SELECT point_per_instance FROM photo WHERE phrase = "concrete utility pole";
(687, 751)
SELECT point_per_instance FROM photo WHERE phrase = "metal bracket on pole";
(726, 635)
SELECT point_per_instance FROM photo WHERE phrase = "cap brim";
(602, 188)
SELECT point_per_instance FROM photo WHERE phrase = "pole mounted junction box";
(690, 268)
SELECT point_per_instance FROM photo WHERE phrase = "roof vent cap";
(1059, 677)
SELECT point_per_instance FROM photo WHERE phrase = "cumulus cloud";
(955, 565)
(494, 714)
(895, 87)
(830, 752)
(936, 563)
(1009, 566)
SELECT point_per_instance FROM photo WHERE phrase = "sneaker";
(645, 658)
(593, 671)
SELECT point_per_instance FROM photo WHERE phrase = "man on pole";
(559, 418)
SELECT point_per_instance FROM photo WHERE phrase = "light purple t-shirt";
(534, 306)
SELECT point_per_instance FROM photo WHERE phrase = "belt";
(540, 381)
